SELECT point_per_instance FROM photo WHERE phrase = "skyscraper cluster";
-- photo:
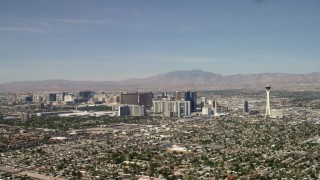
(181, 108)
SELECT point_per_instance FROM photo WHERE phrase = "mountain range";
(179, 80)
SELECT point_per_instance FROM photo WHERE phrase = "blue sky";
(120, 39)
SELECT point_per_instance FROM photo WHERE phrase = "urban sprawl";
(220, 134)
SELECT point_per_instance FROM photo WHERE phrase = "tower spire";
(268, 111)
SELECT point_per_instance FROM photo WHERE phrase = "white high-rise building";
(187, 108)
(36, 98)
(59, 97)
(99, 97)
(68, 98)
(136, 110)
(203, 101)
(162, 106)
(166, 106)
(131, 110)
(268, 111)
(158, 106)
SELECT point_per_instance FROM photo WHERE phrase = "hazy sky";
(119, 39)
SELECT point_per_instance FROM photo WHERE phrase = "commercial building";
(136, 110)
(86, 95)
(79, 100)
(15, 97)
(28, 98)
(123, 111)
(178, 95)
(168, 106)
(144, 99)
(52, 97)
(192, 97)
(203, 102)
(186, 106)
(245, 107)
(131, 110)
(37, 98)
(63, 95)
(68, 98)
(162, 106)
(59, 97)
(99, 97)
(55, 113)
(113, 100)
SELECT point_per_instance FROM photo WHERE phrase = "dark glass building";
(245, 107)
(52, 97)
(86, 95)
(28, 99)
(192, 97)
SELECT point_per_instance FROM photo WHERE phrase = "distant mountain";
(195, 79)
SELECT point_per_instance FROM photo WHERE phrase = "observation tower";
(268, 111)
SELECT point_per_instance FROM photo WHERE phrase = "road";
(28, 173)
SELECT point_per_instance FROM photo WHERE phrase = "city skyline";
(116, 40)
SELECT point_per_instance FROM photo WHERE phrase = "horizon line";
(59, 79)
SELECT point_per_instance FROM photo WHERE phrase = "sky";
(122, 39)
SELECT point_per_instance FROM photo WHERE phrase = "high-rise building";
(131, 110)
(130, 98)
(186, 108)
(157, 106)
(268, 111)
(187, 96)
(59, 97)
(15, 97)
(113, 100)
(245, 107)
(28, 98)
(192, 97)
(86, 95)
(68, 98)
(52, 97)
(193, 101)
(163, 106)
(178, 95)
(136, 110)
(36, 98)
(176, 107)
(203, 102)
(136, 98)
(145, 99)
(63, 95)
(123, 111)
